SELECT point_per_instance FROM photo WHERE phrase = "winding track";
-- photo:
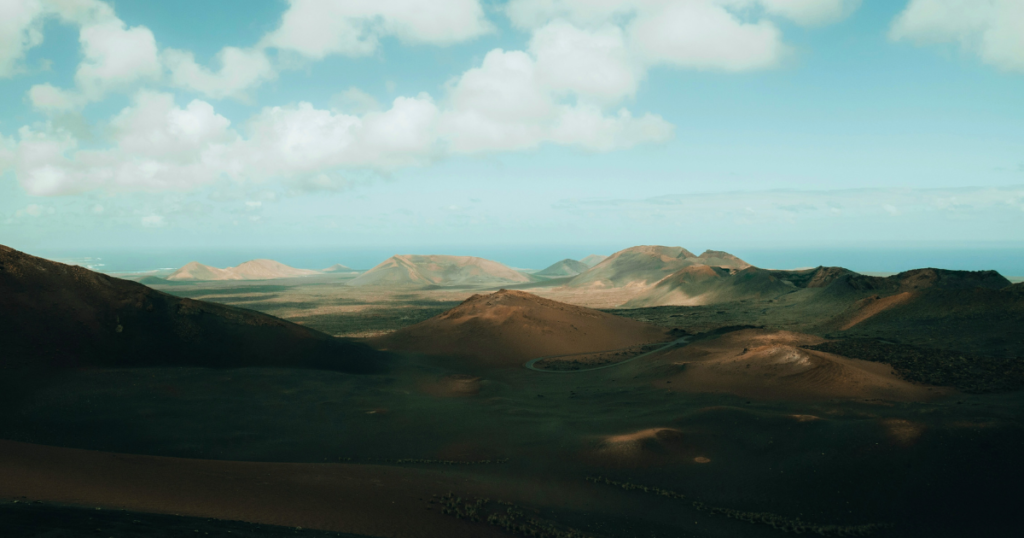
(530, 364)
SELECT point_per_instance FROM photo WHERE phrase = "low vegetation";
(939, 367)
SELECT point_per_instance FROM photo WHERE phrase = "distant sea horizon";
(1007, 260)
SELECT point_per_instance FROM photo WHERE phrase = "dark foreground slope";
(56, 315)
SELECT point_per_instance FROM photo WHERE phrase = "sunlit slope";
(647, 264)
(508, 327)
(250, 270)
(438, 270)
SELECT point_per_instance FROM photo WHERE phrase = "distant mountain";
(645, 265)
(704, 284)
(508, 327)
(250, 270)
(338, 268)
(58, 316)
(718, 258)
(566, 267)
(198, 271)
(593, 260)
(437, 270)
(700, 285)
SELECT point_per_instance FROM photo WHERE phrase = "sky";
(519, 126)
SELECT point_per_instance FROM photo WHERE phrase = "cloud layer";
(991, 29)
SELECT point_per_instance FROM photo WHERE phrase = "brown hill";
(422, 271)
(634, 265)
(920, 279)
(508, 328)
(762, 364)
(198, 271)
(566, 267)
(718, 258)
(593, 259)
(645, 265)
(250, 270)
(703, 284)
(338, 268)
(57, 315)
(979, 321)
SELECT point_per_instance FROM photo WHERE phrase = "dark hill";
(57, 315)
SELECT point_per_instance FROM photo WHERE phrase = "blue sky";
(735, 124)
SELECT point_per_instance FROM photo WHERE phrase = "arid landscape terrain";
(656, 393)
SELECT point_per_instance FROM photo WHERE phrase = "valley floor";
(436, 442)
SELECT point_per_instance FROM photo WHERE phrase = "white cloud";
(115, 56)
(505, 105)
(728, 35)
(241, 70)
(20, 30)
(157, 146)
(594, 64)
(153, 221)
(704, 35)
(154, 127)
(49, 98)
(317, 28)
(811, 12)
(992, 29)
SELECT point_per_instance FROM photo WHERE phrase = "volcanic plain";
(670, 395)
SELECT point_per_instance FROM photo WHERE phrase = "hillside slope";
(507, 328)
(251, 270)
(566, 267)
(57, 315)
(647, 264)
(438, 270)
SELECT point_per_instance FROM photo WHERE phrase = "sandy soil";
(775, 365)
(362, 499)
(507, 328)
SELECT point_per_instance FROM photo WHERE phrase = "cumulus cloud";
(49, 98)
(505, 104)
(317, 28)
(115, 56)
(156, 146)
(727, 35)
(583, 59)
(705, 35)
(20, 29)
(240, 70)
(594, 64)
(991, 29)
